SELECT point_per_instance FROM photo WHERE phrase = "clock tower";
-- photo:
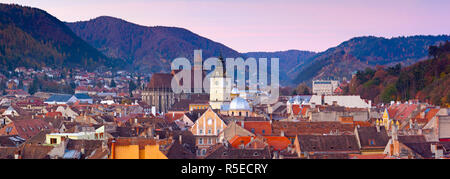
(220, 86)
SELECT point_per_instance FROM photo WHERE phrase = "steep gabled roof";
(370, 137)
(328, 143)
(59, 98)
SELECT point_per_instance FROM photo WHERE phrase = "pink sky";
(268, 25)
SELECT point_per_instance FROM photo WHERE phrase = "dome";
(239, 103)
(234, 91)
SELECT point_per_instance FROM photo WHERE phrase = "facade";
(324, 87)
(220, 87)
(136, 148)
(206, 130)
(159, 93)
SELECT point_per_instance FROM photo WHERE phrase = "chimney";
(242, 124)
(180, 139)
(282, 133)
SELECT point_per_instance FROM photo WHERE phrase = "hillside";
(288, 59)
(428, 80)
(362, 52)
(31, 37)
(148, 49)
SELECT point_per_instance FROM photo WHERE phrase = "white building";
(324, 87)
(346, 101)
(220, 87)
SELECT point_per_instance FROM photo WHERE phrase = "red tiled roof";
(296, 109)
(160, 80)
(26, 128)
(171, 117)
(257, 127)
(53, 114)
(277, 142)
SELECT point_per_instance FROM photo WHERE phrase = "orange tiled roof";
(277, 142)
(171, 117)
(53, 114)
(258, 127)
(296, 109)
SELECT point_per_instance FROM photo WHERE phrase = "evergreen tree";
(131, 87)
(112, 84)
(34, 86)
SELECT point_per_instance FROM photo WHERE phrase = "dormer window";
(371, 142)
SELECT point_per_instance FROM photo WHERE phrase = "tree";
(389, 93)
(139, 82)
(20, 86)
(433, 51)
(112, 84)
(99, 84)
(303, 89)
(131, 87)
(34, 86)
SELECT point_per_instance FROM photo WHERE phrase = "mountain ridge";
(148, 48)
(32, 37)
(368, 51)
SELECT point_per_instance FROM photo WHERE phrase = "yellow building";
(137, 148)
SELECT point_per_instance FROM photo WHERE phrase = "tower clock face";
(209, 121)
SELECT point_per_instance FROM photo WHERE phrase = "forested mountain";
(148, 49)
(31, 37)
(287, 60)
(362, 52)
(428, 80)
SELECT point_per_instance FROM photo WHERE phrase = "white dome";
(239, 103)
(234, 91)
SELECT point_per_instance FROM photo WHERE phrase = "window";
(203, 151)
(209, 141)
(263, 131)
(8, 130)
(200, 141)
(201, 131)
(371, 141)
(209, 131)
(210, 121)
(253, 130)
(52, 140)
